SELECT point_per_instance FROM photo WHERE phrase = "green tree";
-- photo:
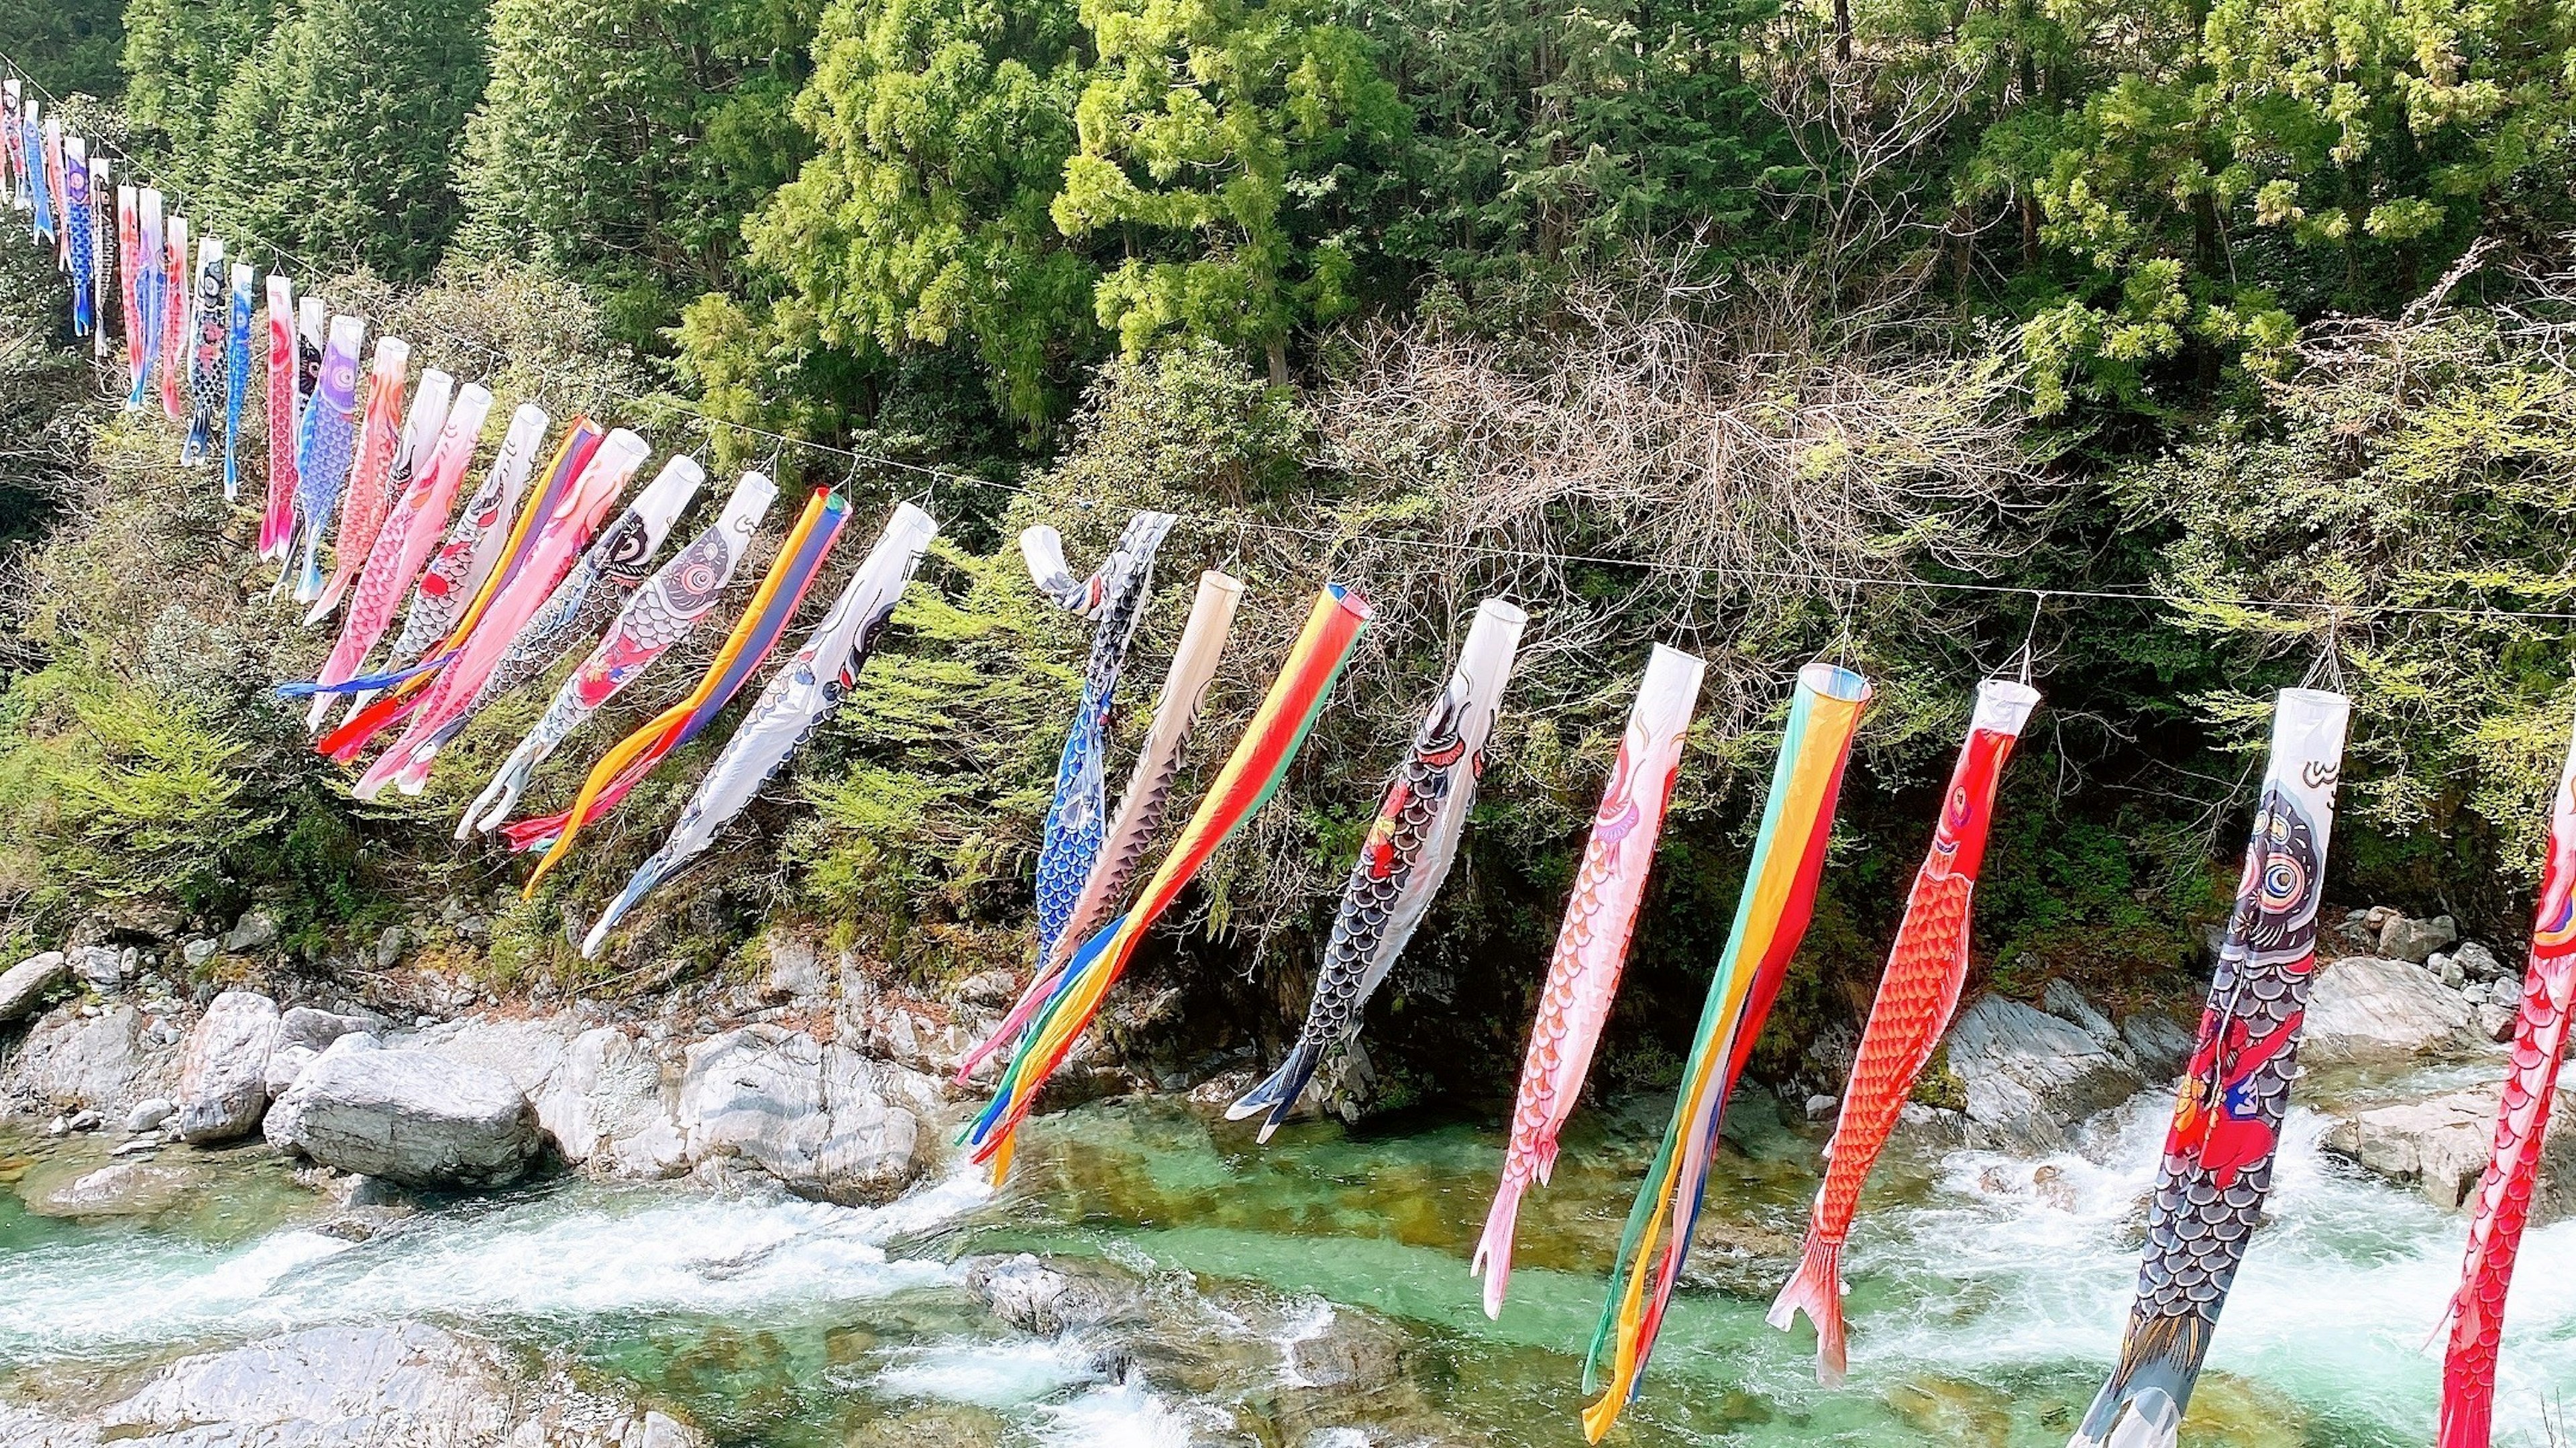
(1218, 142)
(69, 46)
(179, 57)
(333, 140)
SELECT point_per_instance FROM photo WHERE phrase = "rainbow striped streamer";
(1770, 919)
(1250, 777)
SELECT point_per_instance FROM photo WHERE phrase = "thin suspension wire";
(2335, 610)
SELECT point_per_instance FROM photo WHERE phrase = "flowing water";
(1987, 1293)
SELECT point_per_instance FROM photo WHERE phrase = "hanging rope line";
(2337, 610)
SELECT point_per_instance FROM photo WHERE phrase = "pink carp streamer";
(1591, 946)
(1916, 996)
(371, 468)
(2503, 1203)
(176, 322)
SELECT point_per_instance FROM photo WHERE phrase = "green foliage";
(72, 46)
(180, 57)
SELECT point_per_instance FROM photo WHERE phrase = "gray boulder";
(102, 967)
(148, 1115)
(98, 1061)
(223, 1075)
(2159, 1043)
(415, 1118)
(304, 1033)
(2479, 962)
(2401, 938)
(2367, 1008)
(2068, 1004)
(2029, 1074)
(24, 988)
(823, 1120)
(355, 1385)
(255, 929)
(603, 1108)
(2442, 1145)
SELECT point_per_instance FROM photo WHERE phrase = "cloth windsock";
(1140, 807)
(1113, 599)
(403, 545)
(1403, 859)
(1770, 919)
(591, 594)
(277, 519)
(13, 163)
(2216, 1169)
(237, 326)
(330, 434)
(1251, 775)
(209, 319)
(55, 190)
(1916, 995)
(464, 557)
(1591, 946)
(40, 171)
(2503, 1203)
(550, 555)
(627, 761)
(129, 247)
(31, 154)
(80, 225)
(102, 253)
(799, 697)
(178, 293)
(372, 485)
(145, 257)
(660, 615)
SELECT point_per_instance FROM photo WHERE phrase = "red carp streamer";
(2522, 1121)
(1916, 997)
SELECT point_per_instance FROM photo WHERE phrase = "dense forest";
(2197, 348)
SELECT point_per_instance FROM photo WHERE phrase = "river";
(1987, 1293)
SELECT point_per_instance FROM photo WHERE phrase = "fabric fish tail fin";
(647, 876)
(1279, 1094)
(2142, 1405)
(1817, 1290)
(2468, 1418)
(1493, 1260)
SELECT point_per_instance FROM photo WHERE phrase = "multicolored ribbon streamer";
(403, 545)
(329, 434)
(368, 495)
(1140, 807)
(1770, 919)
(2502, 1205)
(80, 225)
(146, 294)
(236, 375)
(1916, 996)
(1114, 600)
(604, 468)
(178, 290)
(798, 698)
(208, 319)
(663, 612)
(1403, 860)
(285, 395)
(754, 634)
(1260, 761)
(2217, 1165)
(1591, 947)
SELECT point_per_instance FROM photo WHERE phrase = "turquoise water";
(1986, 1293)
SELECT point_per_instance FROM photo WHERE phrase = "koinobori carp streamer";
(329, 435)
(662, 613)
(178, 292)
(367, 495)
(1113, 600)
(80, 226)
(626, 763)
(209, 315)
(465, 557)
(145, 295)
(1251, 775)
(285, 396)
(1403, 859)
(1916, 995)
(2216, 1170)
(1591, 946)
(236, 375)
(798, 698)
(1140, 806)
(2502, 1206)
(1771, 917)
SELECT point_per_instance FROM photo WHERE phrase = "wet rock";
(1349, 1350)
(371, 1385)
(603, 1108)
(2159, 1043)
(257, 929)
(117, 1189)
(24, 988)
(820, 1119)
(2442, 1145)
(148, 1115)
(101, 1061)
(1036, 1297)
(2401, 938)
(948, 1425)
(2029, 1074)
(1224, 1088)
(1932, 1127)
(2368, 1008)
(2065, 1002)
(418, 1118)
(916, 1035)
(223, 1074)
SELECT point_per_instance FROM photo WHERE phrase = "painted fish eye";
(2285, 882)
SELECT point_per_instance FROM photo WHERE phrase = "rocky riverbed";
(288, 1217)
